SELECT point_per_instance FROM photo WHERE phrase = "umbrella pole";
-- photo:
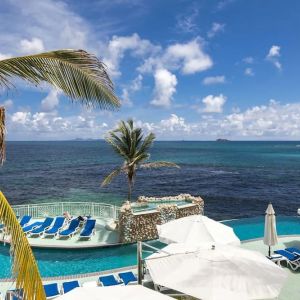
(139, 261)
(269, 251)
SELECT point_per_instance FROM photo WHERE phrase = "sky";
(185, 70)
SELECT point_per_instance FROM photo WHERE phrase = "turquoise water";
(253, 228)
(153, 205)
(69, 262)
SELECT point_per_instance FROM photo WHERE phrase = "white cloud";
(21, 117)
(270, 121)
(215, 28)
(213, 80)
(190, 56)
(118, 46)
(42, 25)
(187, 21)
(134, 86)
(4, 56)
(273, 56)
(32, 46)
(7, 104)
(224, 3)
(50, 125)
(249, 72)
(51, 101)
(174, 123)
(248, 60)
(214, 104)
(165, 87)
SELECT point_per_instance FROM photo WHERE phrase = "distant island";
(222, 140)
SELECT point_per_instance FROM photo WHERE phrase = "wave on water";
(222, 172)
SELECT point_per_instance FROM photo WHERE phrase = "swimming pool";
(253, 228)
(70, 262)
(153, 205)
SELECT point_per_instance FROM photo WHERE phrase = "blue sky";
(193, 70)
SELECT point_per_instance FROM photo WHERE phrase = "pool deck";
(102, 238)
(290, 290)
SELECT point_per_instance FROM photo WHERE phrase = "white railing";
(96, 210)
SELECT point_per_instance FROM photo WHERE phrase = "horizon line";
(157, 140)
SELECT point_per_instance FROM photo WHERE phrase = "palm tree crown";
(129, 143)
(80, 75)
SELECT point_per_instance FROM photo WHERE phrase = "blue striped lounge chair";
(128, 277)
(69, 286)
(293, 250)
(32, 226)
(71, 230)
(25, 220)
(88, 230)
(293, 260)
(109, 280)
(40, 229)
(51, 290)
(56, 227)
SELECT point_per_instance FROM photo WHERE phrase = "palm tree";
(80, 75)
(129, 143)
(24, 267)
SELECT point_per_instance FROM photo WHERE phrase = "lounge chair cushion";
(58, 223)
(32, 226)
(24, 220)
(72, 227)
(127, 277)
(290, 256)
(41, 228)
(109, 280)
(51, 290)
(70, 285)
(88, 228)
(293, 250)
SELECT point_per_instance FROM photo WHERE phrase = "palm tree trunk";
(129, 190)
(130, 176)
(2, 135)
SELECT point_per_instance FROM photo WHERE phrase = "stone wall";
(142, 226)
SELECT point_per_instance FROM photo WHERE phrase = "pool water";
(153, 205)
(253, 228)
(69, 262)
(54, 262)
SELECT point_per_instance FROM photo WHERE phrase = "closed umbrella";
(132, 292)
(270, 236)
(220, 272)
(196, 229)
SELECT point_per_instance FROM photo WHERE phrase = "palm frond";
(159, 164)
(117, 147)
(147, 143)
(107, 180)
(80, 75)
(24, 267)
(2, 135)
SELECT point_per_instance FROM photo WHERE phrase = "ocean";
(235, 179)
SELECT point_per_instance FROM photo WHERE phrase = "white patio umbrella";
(270, 236)
(132, 292)
(196, 229)
(216, 272)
